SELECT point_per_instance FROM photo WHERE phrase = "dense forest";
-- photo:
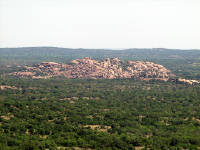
(80, 114)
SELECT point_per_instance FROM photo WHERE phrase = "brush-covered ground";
(105, 114)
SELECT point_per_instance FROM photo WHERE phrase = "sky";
(100, 23)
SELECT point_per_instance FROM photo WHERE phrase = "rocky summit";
(88, 68)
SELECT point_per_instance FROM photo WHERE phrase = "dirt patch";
(196, 119)
(70, 98)
(149, 135)
(106, 110)
(140, 117)
(44, 136)
(72, 148)
(5, 87)
(7, 117)
(90, 117)
(139, 147)
(27, 132)
(101, 128)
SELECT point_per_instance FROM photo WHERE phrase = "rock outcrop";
(93, 69)
(188, 81)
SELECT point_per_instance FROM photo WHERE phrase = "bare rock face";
(93, 69)
(188, 81)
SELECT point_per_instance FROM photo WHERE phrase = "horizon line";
(99, 48)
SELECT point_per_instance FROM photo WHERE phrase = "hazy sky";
(100, 23)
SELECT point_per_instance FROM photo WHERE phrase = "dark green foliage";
(52, 113)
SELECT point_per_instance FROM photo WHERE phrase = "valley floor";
(99, 114)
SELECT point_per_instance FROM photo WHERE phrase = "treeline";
(184, 63)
